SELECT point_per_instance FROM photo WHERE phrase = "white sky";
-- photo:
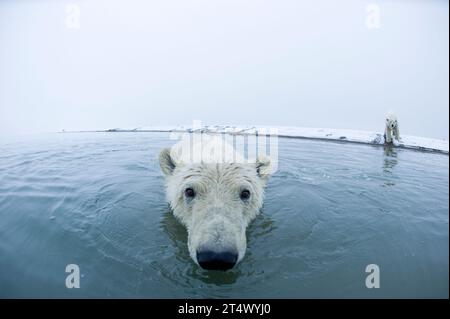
(277, 62)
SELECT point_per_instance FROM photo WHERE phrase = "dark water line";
(340, 141)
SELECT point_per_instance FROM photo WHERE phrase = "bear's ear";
(166, 162)
(263, 167)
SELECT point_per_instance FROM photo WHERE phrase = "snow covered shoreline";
(328, 134)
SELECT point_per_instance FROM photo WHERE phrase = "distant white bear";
(215, 193)
(391, 130)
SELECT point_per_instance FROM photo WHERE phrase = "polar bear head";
(215, 196)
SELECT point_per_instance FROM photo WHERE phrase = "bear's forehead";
(391, 117)
(230, 172)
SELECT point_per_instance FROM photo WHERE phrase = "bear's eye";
(189, 193)
(245, 194)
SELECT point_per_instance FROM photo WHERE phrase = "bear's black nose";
(211, 260)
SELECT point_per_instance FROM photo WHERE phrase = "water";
(97, 200)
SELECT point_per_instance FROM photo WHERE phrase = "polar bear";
(391, 130)
(215, 193)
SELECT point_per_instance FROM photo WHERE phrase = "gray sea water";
(97, 200)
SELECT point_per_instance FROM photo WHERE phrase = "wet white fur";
(216, 218)
(391, 130)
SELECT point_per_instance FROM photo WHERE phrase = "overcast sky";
(276, 62)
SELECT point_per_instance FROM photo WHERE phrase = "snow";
(343, 135)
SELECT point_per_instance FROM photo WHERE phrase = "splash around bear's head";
(215, 193)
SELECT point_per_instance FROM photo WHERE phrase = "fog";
(286, 62)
